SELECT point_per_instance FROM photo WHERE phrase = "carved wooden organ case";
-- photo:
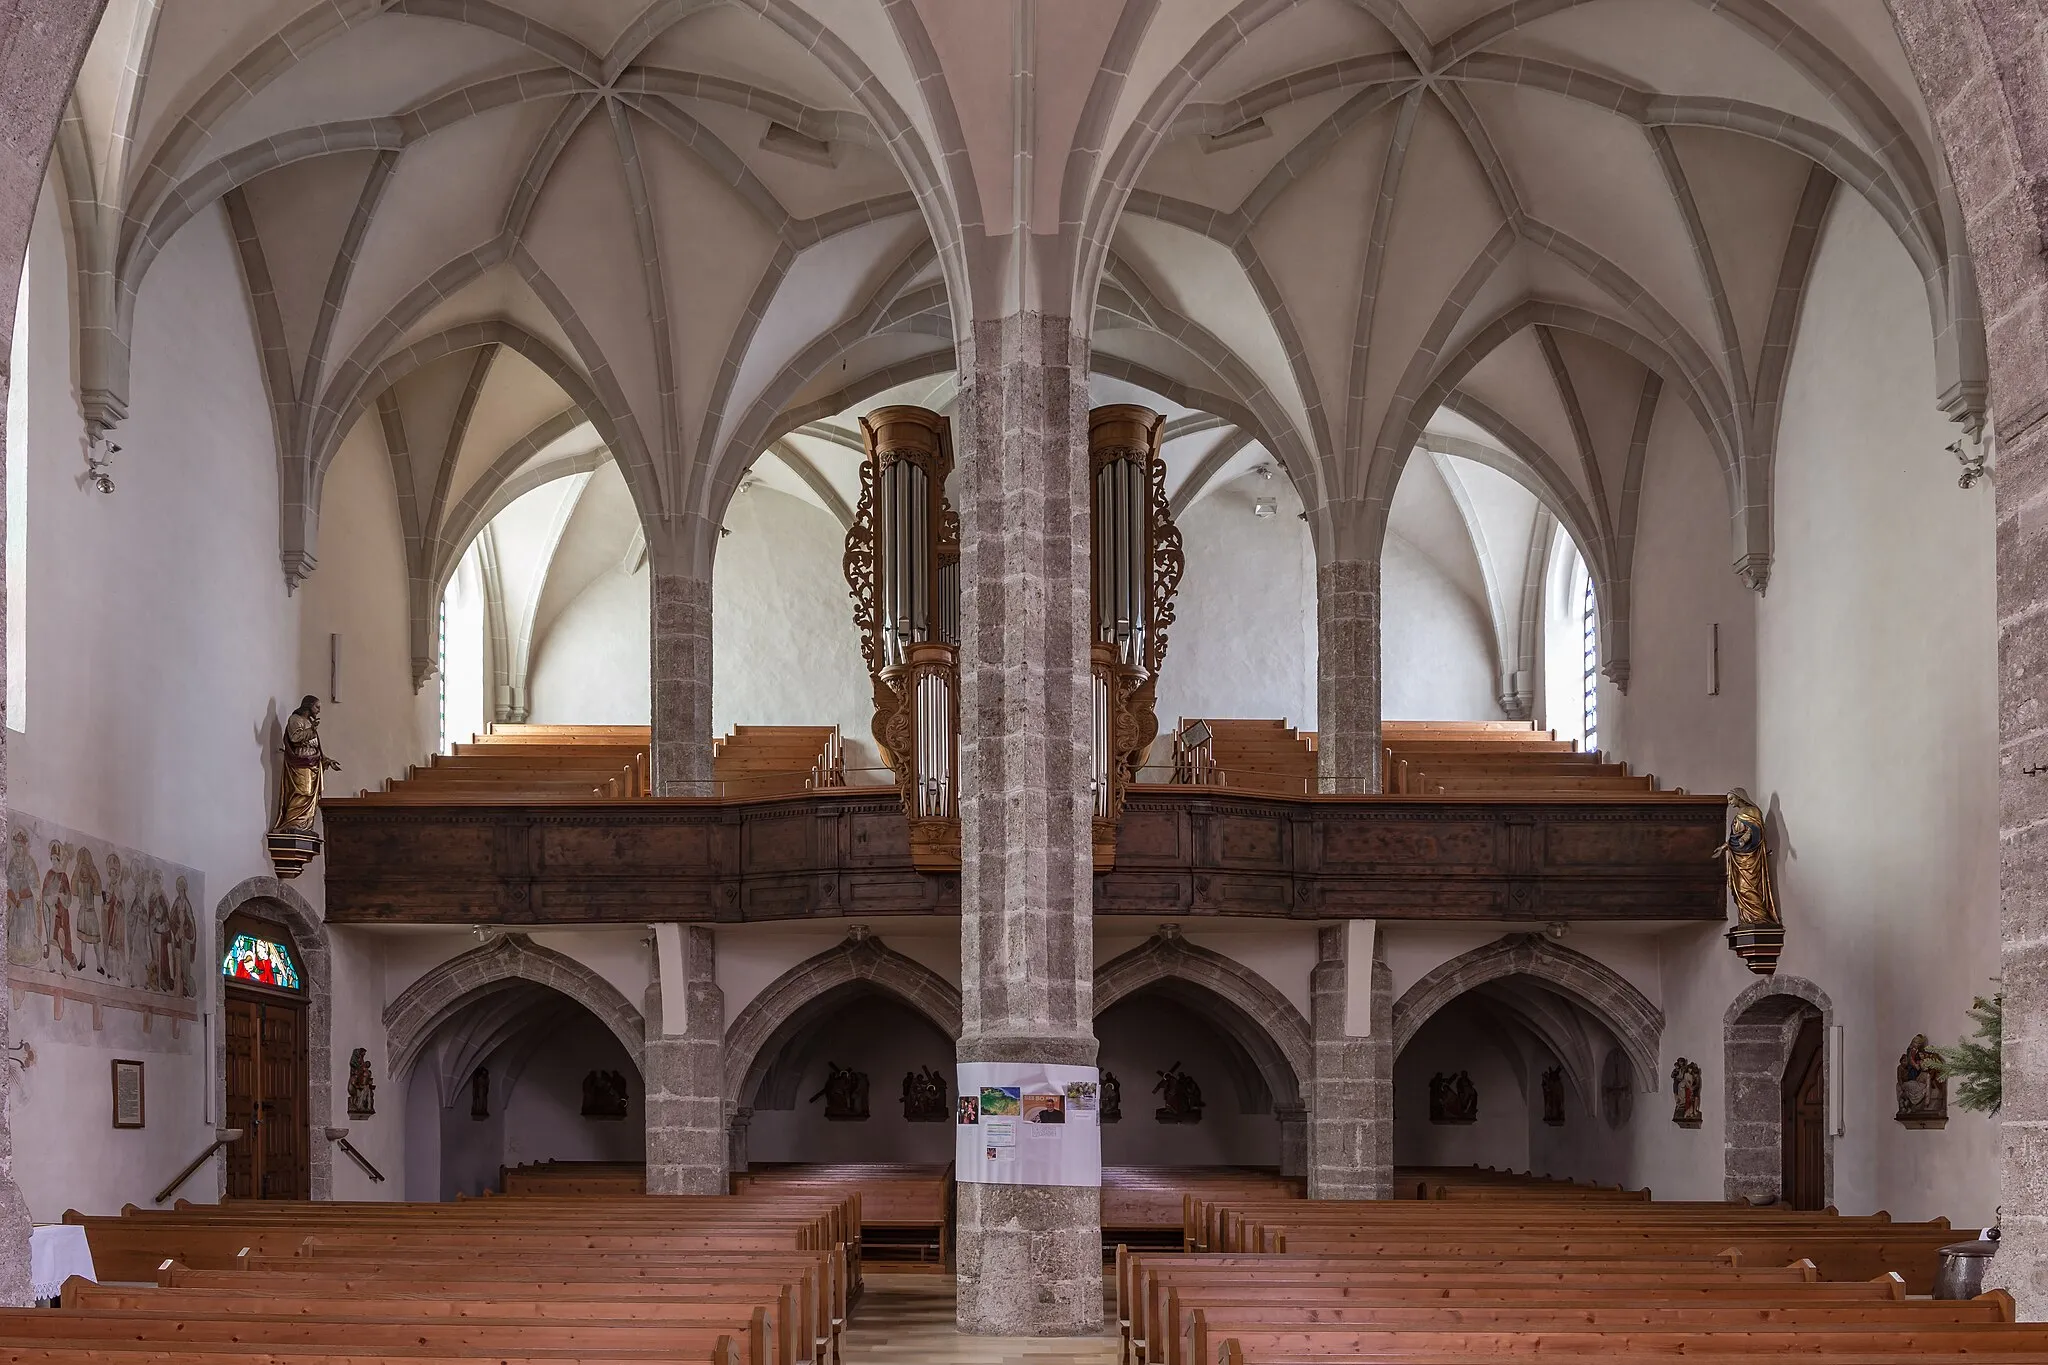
(903, 570)
(1137, 569)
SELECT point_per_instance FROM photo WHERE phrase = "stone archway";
(1251, 1012)
(1758, 1031)
(806, 993)
(1263, 1021)
(411, 1020)
(1625, 1011)
(268, 898)
(805, 990)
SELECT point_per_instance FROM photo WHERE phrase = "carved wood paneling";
(1183, 851)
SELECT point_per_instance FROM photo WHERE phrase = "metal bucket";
(1961, 1275)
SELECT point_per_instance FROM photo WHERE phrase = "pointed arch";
(411, 1020)
(1262, 1021)
(1627, 1013)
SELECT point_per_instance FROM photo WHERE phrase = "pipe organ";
(903, 571)
(1137, 568)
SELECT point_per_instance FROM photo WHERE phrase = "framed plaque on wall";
(127, 1093)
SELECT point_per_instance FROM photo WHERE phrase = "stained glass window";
(260, 960)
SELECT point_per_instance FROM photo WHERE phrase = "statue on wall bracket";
(362, 1089)
(845, 1093)
(1685, 1094)
(1453, 1099)
(293, 840)
(1923, 1087)
(925, 1098)
(1180, 1097)
(1759, 935)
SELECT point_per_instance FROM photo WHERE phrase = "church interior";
(849, 680)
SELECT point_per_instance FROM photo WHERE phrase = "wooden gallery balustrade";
(1181, 850)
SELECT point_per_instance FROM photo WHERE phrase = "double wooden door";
(266, 1096)
(1804, 1119)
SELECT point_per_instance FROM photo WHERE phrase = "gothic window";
(1589, 628)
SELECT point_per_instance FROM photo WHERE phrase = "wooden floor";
(908, 1320)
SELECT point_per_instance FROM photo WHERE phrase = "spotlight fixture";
(99, 468)
(1265, 507)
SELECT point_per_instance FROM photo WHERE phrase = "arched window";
(1589, 633)
(252, 959)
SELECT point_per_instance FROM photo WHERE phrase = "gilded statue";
(1749, 863)
(306, 766)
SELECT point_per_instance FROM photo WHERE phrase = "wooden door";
(1804, 1119)
(266, 1097)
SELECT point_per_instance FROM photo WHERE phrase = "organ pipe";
(1137, 566)
(903, 571)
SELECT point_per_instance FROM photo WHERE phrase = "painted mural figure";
(140, 956)
(57, 907)
(115, 923)
(306, 765)
(1923, 1087)
(1749, 862)
(1553, 1097)
(184, 939)
(85, 895)
(26, 933)
(163, 971)
(1685, 1094)
(1180, 1097)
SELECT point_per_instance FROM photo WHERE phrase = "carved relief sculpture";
(925, 1097)
(1453, 1099)
(1923, 1087)
(1553, 1097)
(293, 839)
(604, 1095)
(1685, 1094)
(845, 1093)
(362, 1090)
(1180, 1098)
(1112, 1098)
(1759, 935)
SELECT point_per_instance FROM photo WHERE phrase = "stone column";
(1351, 1093)
(1348, 675)
(687, 1144)
(679, 692)
(1029, 1256)
(1293, 1121)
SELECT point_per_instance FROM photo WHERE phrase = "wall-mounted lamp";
(21, 1054)
(99, 467)
(1970, 453)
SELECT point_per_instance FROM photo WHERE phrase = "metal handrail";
(225, 1136)
(339, 1137)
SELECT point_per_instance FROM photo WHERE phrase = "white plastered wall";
(163, 651)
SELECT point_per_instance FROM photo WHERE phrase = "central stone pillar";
(1351, 1090)
(1348, 675)
(1029, 1256)
(679, 685)
(687, 1142)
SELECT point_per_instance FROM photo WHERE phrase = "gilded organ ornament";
(1759, 935)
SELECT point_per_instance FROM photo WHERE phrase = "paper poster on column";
(1026, 1123)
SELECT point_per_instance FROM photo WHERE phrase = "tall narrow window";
(17, 512)
(1589, 624)
(441, 670)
